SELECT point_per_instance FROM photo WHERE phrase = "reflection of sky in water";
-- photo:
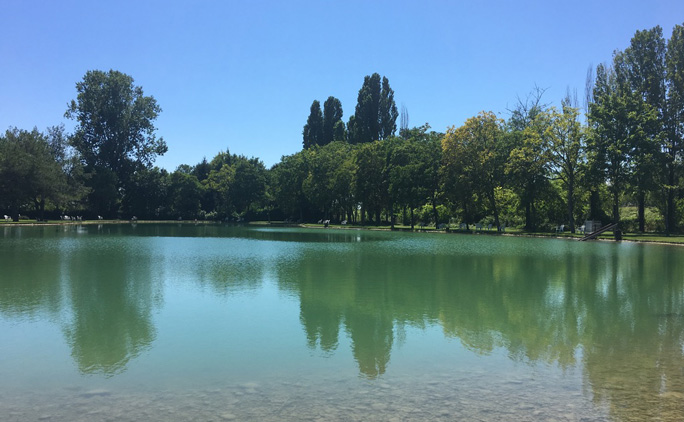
(158, 306)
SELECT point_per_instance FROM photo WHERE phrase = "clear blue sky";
(242, 74)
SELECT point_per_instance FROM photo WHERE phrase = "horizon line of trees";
(540, 167)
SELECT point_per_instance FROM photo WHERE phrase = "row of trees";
(375, 117)
(542, 160)
(541, 167)
(105, 167)
(636, 118)
(42, 176)
(38, 169)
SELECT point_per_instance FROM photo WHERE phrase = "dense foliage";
(541, 167)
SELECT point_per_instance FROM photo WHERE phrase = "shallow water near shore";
(207, 322)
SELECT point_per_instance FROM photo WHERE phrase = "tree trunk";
(571, 204)
(641, 203)
(39, 209)
(669, 226)
(669, 217)
(492, 199)
(594, 205)
(411, 218)
(434, 211)
(14, 214)
(466, 217)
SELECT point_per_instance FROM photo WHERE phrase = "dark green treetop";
(332, 115)
(375, 117)
(313, 129)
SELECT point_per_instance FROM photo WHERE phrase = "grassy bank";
(510, 231)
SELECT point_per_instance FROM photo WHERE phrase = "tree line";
(619, 160)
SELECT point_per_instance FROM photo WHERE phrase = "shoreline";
(490, 233)
(337, 227)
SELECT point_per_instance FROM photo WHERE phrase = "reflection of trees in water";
(618, 309)
(372, 336)
(225, 276)
(323, 297)
(99, 289)
(332, 293)
(321, 325)
(112, 293)
(634, 357)
(29, 283)
(511, 302)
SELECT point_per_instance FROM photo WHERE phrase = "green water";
(183, 322)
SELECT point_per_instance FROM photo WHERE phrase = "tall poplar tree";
(607, 147)
(313, 129)
(388, 111)
(674, 139)
(332, 115)
(643, 65)
(376, 113)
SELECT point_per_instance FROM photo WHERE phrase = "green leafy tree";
(185, 194)
(404, 176)
(370, 187)
(642, 69)
(71, 194)
(223, 158)
(218, 191)
(313, 129)
(458, 184)
(566, 138)
(387, 110)
(23, 156)
(344, 202)
(621, 122)
(332, 117)
(147, 194)
(608, 146)
(201, 170)
(353, 130)
(34, 171)
(376, 112)
(288, 176)
(528, 161)
(249, 186)
(321, 186)
(115, 132)
(674, 135)
(415, 170)
(339, 132)
(473, 154)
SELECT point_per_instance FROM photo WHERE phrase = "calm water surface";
(183, 322)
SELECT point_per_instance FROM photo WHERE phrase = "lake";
(208, 322)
